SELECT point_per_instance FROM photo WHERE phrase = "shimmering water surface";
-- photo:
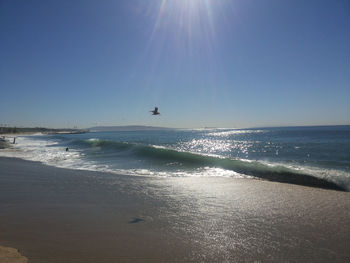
(271, 153)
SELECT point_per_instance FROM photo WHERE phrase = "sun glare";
(184, 33)
(185, 18)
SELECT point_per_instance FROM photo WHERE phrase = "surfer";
(67, 149)
(155, 111)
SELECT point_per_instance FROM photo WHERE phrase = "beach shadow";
(136, 220)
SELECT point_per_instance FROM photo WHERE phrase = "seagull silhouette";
(155, 111)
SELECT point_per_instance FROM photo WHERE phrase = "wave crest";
(162, 156)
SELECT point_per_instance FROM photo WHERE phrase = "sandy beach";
(11, 255)
(61, 215)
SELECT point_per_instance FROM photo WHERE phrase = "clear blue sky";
(223, 63)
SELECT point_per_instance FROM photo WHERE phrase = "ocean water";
(313, 156)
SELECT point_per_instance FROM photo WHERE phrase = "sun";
(185, 17)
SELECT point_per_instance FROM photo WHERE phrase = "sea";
(312, 156)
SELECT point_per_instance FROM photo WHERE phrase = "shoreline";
(6, 139)
(286, 175)
(57, 215)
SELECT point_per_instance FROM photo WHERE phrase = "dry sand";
(11, 255)
(60, 215)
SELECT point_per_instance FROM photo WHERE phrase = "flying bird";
(155, 111)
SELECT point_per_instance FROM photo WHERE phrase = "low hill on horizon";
(127, 128)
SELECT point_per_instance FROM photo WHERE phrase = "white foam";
(37, 148)
(47, 151)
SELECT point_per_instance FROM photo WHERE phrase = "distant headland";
(31, 130)
(127, 128)
(16, 130)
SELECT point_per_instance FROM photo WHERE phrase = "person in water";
(67, 149)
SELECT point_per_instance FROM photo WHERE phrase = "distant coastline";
(33, 130)
(15, 130)
(128, 128)
(156, 128)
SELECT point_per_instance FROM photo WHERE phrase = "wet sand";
(61, 215)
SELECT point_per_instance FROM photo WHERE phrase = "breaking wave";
(162, 156)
